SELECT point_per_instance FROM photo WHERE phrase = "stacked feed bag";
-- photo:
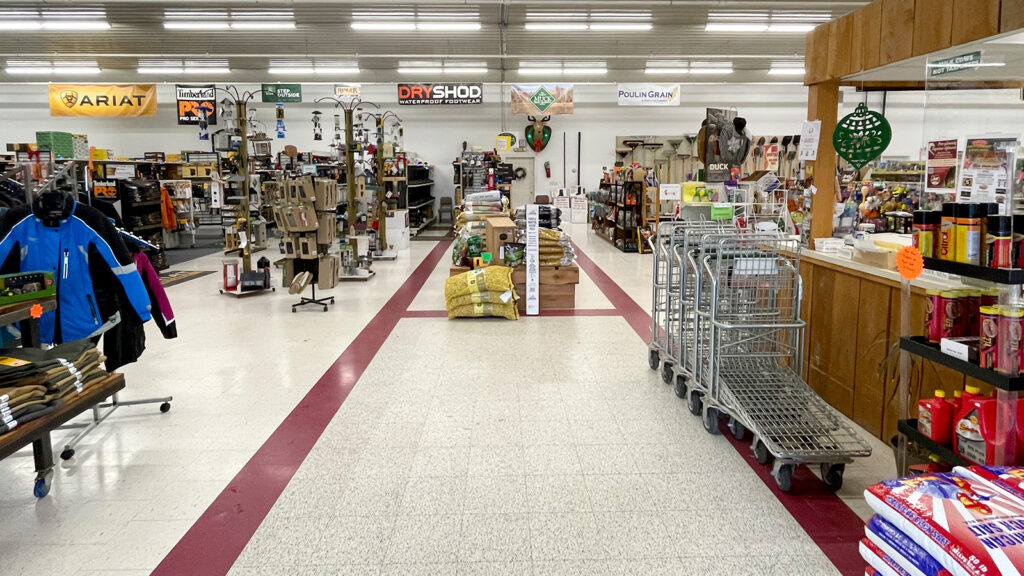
(481, 292)
(967, 522)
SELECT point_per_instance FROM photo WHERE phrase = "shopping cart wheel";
(711, 421)
(680, 387)
(737, 428)
(667, 373)
(694, 403)
(832, 475)
(784, 477)
(761, 453)
(653, 358)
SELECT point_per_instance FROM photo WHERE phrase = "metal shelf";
(421, 204)
(909, 429)
(146, 227)
(1012, 276)
(416, 231)
(419, 183)
(919, 346)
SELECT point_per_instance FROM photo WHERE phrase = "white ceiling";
(323, 31)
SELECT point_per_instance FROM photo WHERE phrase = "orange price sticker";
(909, 262)
(36, 311)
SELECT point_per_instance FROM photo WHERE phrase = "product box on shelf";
(307, 247)
(279, 220)
(189, 171)
(300, 218)
(230, 240)
(60, 143)
(327, 232)
(80, 145)
(326, 194)
(302, 189)
(327, 272)
(498, 231)
(291, 246)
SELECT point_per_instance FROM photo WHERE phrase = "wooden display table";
(557, 285)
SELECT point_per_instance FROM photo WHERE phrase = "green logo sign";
(542, 99)
(282, 92)
(954, 64)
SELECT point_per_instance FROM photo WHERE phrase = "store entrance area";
(399, 442)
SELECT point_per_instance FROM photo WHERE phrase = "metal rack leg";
(42, 453)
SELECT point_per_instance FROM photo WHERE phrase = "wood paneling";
(897, 37)
(1011, 16)
(974, 20)
(832, 353)
(807, 279)
(871, 349)
(869, 20)
(841, 47)
(823, 104)
(816, 55)
(933, 25)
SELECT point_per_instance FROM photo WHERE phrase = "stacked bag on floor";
(35, 382)
(547, 215)
(477, 208)
(482, 292)
(966, 522)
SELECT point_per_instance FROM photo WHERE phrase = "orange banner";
(121, 100)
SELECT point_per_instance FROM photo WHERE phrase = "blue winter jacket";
(65, 249)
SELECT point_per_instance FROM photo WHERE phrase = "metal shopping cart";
(749, 351)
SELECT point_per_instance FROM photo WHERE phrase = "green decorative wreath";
(862, 136)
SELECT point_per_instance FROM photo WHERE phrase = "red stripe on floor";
(830, 523)
(637, 318)
(543, 313)
(213, 543)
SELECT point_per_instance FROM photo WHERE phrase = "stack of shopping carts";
(727, 333)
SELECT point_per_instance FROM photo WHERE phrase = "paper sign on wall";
(810, 134)
(121, 100)
(670, 191)
(940, 172)
(986, 171)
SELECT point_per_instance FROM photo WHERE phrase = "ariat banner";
(119, 100)
(541, 99)
(440, 93)
(194, 102)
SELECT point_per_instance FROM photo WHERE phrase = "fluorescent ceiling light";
(207, 70)
(464, 70)
(666, 70)
(75, 25)
(556, 15)
(43, 68)
(620, 26)
(448, 26)
(540, 71)
(194, 25)
(710, 70)
(421, 70)
(159, 70)
(384, 26)
(292, 70)
(336, 70)
(262, 25)
(584, 71)
(19, 25)
(786, 71)
(557, 26)
(794, 28)
(735, 27)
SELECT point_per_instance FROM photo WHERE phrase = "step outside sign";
(273, 93)
(645, 94)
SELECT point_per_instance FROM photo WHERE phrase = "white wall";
(436, 133)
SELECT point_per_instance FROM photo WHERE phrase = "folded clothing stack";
(35, 382)
(967, 522)
(482, 292)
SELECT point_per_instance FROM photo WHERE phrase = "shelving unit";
(621, 214)
(418, 199)
(141, 214)
(1007, 388)
(180, 192)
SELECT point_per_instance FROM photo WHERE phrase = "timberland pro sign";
(281, 92)
(195, 103)
(97, 100)
(542, 99)
(648, 94)
(440, 93)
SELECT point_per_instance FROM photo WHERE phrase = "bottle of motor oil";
(975, 421)
(935, 418)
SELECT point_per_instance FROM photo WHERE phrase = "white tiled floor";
(543, 446)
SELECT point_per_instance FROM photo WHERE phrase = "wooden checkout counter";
(852, 311)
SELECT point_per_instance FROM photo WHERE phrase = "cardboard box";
(498, 231)
(279, 218)
(300, 218)
(552, 296)
(880, 258)
(549, 275)
(327, 272)
(60, 143)
(307, 247)
(304, 188)
(327, 232)
(287, 273)
(326, 194)
(291, 247)
(230, 240)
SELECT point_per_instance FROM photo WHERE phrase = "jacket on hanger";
(160, 306)
(93, 270)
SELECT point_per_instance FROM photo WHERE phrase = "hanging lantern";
(862, 136)
(318, 133)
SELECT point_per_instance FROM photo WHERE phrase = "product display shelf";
(908, 428)
(622, 214)
(1007, 388)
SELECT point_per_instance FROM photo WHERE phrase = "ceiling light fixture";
(40, 68)
(57, 20)
(735, 27)
(384, 26)
(786, 71)
(229, 20)
(557, 26)
(261, 25)
(654, 70)
(621, 26)
(421, 70)
(448, 26)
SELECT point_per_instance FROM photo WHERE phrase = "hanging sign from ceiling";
(346, 90)
(648, 94)
(954, 64)
(541, 99)
(282, 92)
(122, 100)
(195, 102)
(440, 93)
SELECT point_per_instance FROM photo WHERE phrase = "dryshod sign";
(648, 94)
(122, 100)
(193, 101)
(440, 93)
(282, 92)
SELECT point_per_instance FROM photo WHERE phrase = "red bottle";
(935, 418)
